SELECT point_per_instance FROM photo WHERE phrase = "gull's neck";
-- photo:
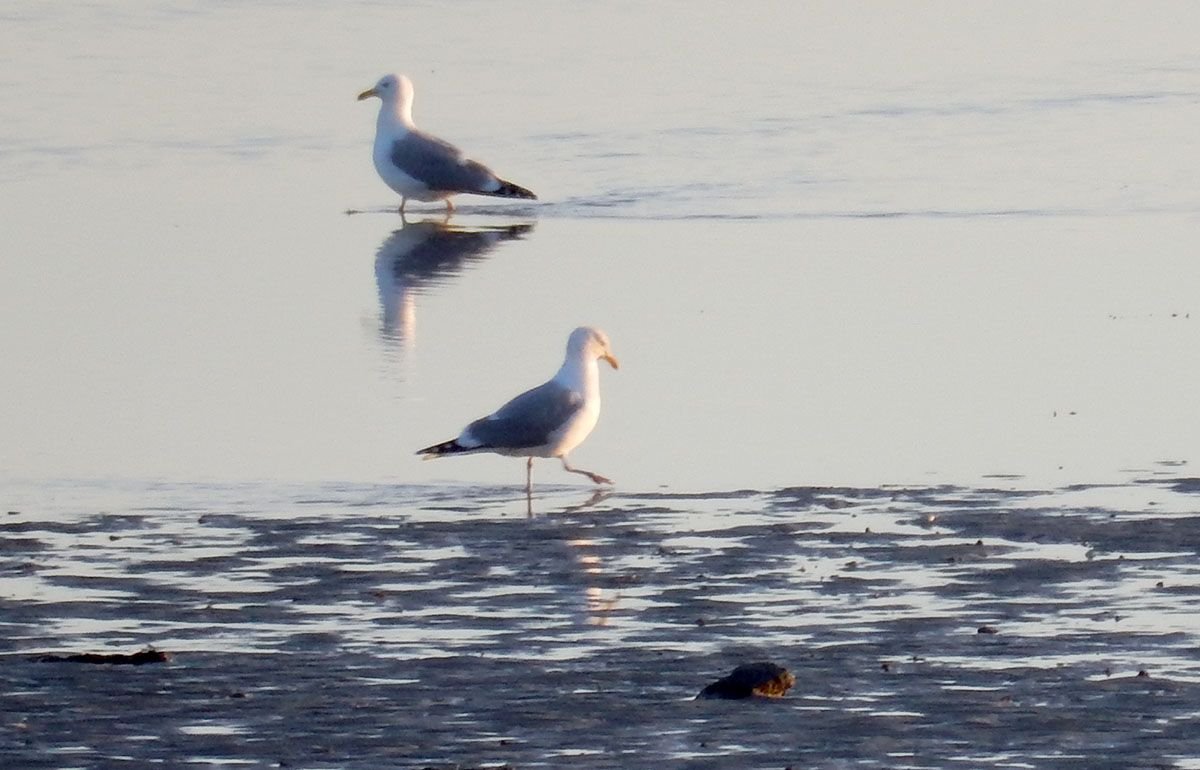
(580, 373)
(395, 117)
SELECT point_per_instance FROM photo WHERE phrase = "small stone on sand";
(750, 679)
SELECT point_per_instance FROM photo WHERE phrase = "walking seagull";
(419, 165)
(547, 421)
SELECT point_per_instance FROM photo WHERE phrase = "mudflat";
(359, 626)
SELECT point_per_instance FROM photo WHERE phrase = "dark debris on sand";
(763, 679)
(139, 658)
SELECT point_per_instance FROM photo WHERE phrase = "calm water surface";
(856, 245)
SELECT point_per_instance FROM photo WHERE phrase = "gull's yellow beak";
(612, 360)
(368, 94)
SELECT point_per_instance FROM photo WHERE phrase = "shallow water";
(885, 283)
(831, 246)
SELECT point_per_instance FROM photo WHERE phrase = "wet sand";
(358, 626)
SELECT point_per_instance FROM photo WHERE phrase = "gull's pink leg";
(595, 477)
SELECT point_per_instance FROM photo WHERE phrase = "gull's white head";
(394, 89)
(591, 344)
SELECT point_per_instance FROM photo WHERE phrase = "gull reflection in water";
(424, 255)
(598, 605)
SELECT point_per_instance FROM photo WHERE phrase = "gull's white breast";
(575, 430)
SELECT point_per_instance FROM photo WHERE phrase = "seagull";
(547, 421)
(419, 165)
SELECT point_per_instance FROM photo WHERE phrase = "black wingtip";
(510, 190)
(444, 448)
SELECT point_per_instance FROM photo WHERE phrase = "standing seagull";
(419, 165)
(548, 421)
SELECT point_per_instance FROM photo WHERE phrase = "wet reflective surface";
(830, 252)
(351, 625)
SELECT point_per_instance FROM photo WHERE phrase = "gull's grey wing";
(440, 165)
(527, 421)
